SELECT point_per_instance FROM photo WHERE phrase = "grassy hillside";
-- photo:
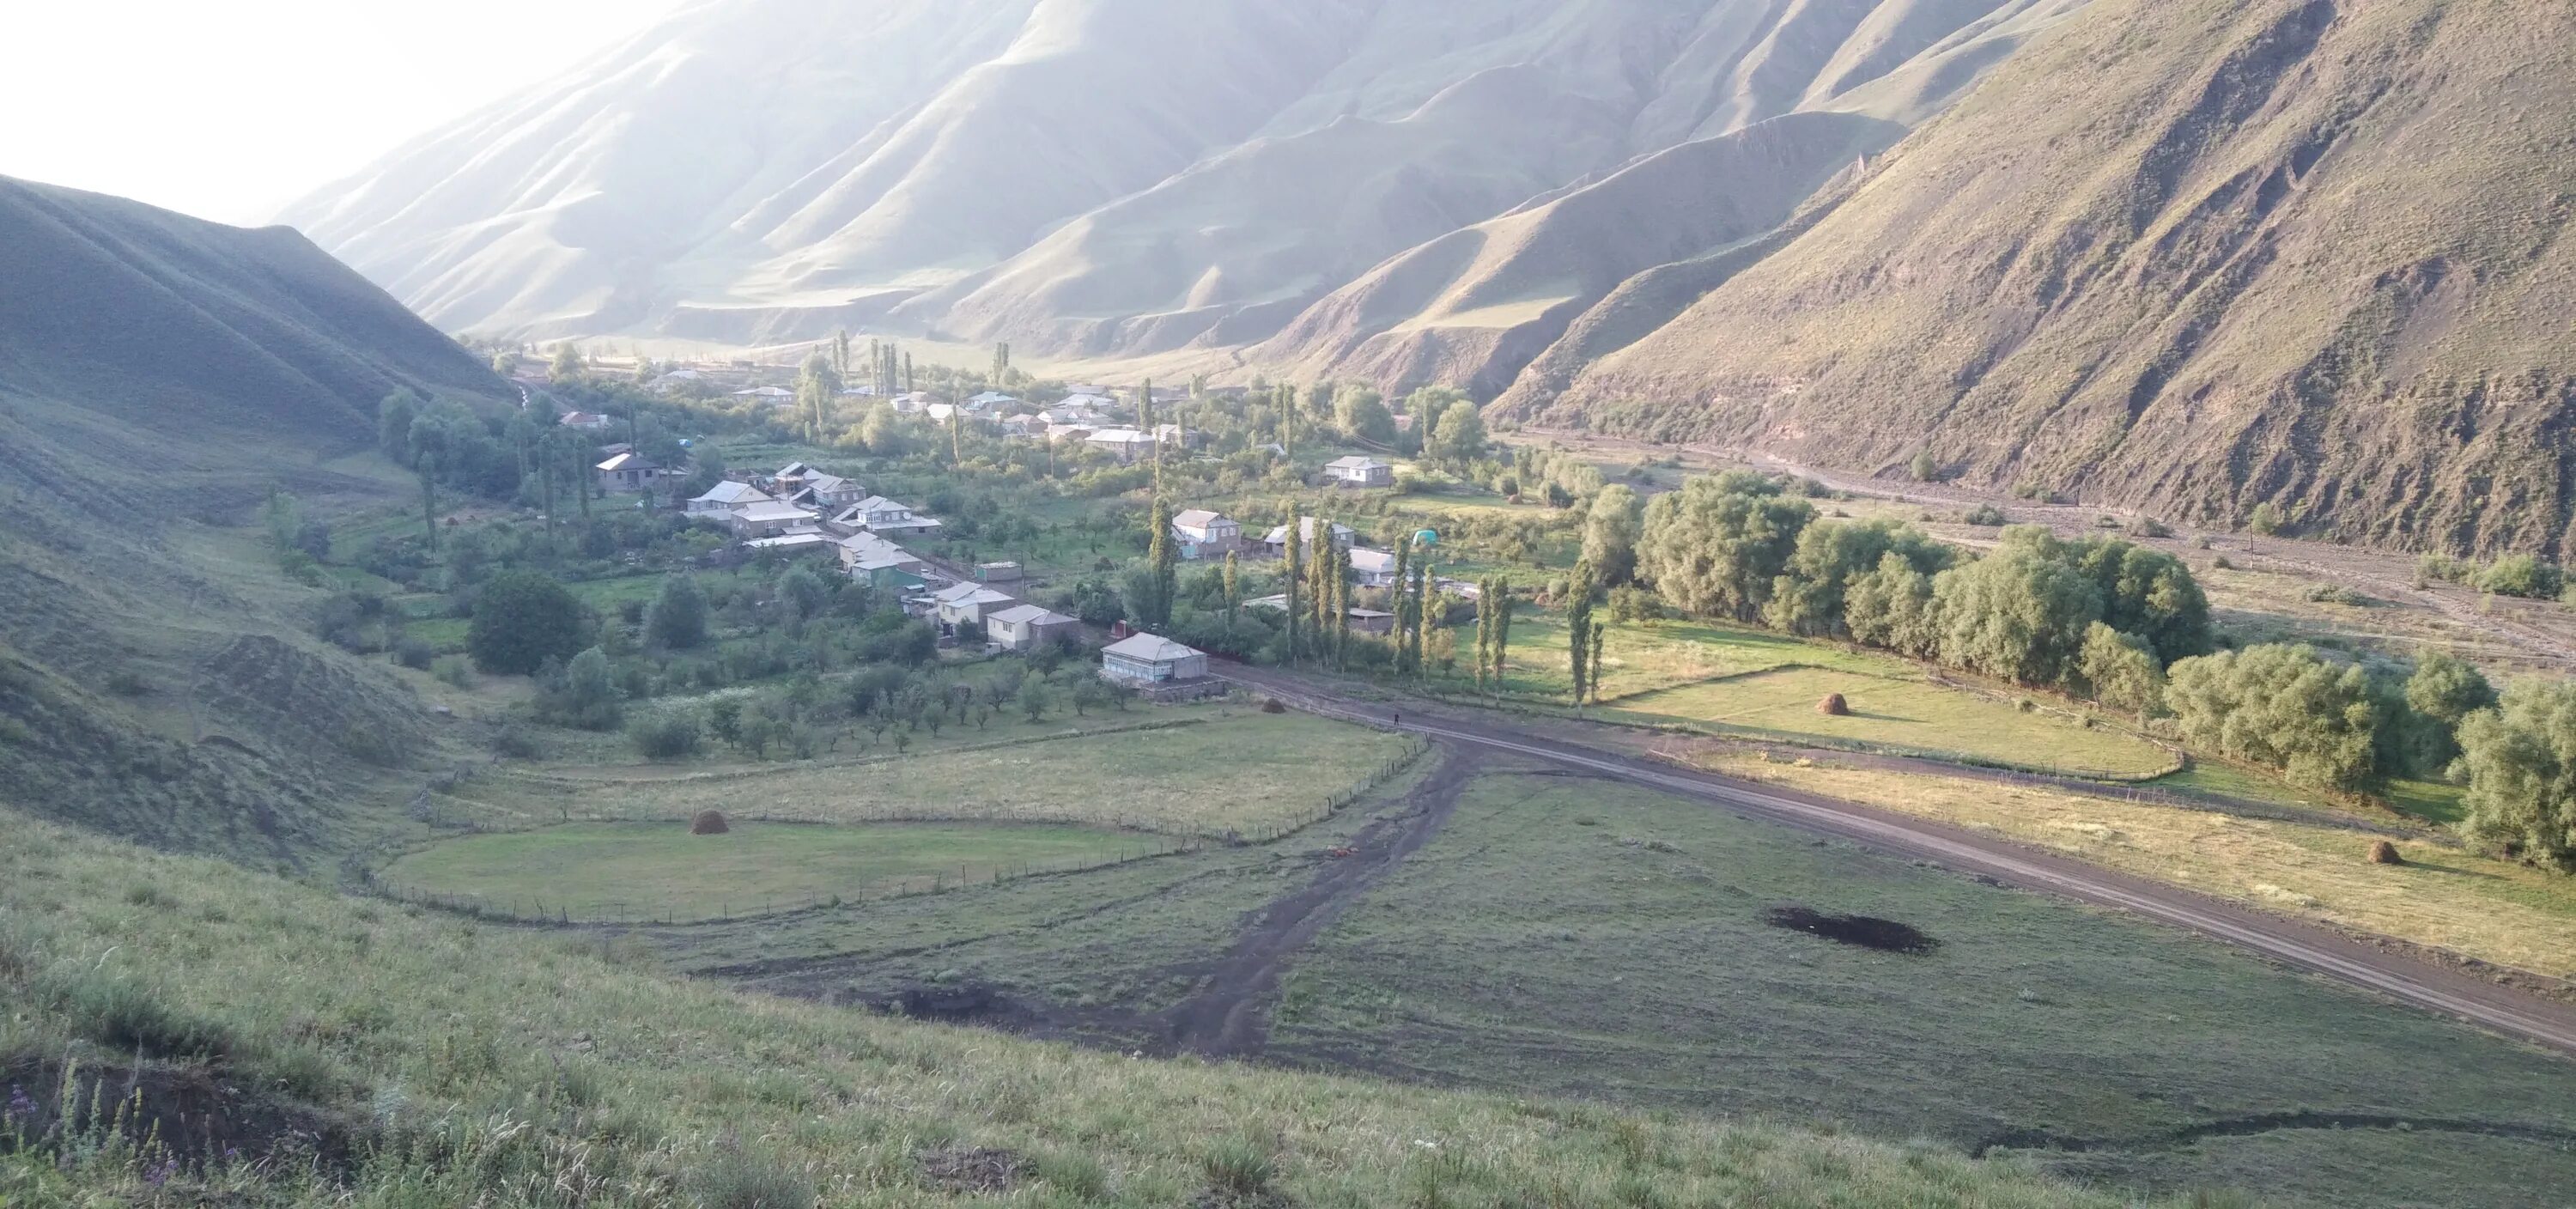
(2191, 256)
(322, 1049)
(157, 372)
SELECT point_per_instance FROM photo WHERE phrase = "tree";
(1893, 608)
(1600, 634)
(2266, 519)
(1233, 587)
(2145, 592)
(1362, 413)
(2282, 706)
(1924, 467)
(678, 619)
(1036, 698)
(2424, 719)
(1295, 571)
(1715, 549)
(1502, 627)
(1578, 629)
(1610, 532)
(567, 363)
(2122, 670)
(521, 620)
(1808, 597)
(709, 470)
(1162, 560)
(2520, 757)
(818, 385)
(589, 697)
(1459, 437)
(2017, 615)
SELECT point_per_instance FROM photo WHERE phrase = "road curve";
(2420, 984)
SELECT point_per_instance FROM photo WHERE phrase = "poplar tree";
(1403, 607)
(1599, 631)
(1578, 629)
(1296, 568)
(1233, 588)
(1502, 627)
(1341, 614)
(1423, 623)
(1163, 558)
(1484, 628)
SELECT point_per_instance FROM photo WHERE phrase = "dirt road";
(2416, 983)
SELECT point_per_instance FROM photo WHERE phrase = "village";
(801, 510)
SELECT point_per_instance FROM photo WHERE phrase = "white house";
(675, 379)
(807, 487)
(912, 403)
(1277, 541)
(874, 560)
(767, 394)
(991, 400)
(1026, 627)
(631, 471)
(767, 519)
(1148, 659)
(1359, 471)
(1064, 433)
(727, 496)
(1372, 568)
(1205, 534)
(588, 421)
(877, 514)
(1127, 443)
(964, 604)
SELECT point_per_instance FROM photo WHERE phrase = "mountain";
(2185, 255)
(155, 371)
(1122, 177)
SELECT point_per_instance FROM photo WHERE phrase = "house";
(912, 403)
(1147, 659)
(1127, 443)
(1277, 541)
(999, 573)
(797, 540)
(864, 390)
(1027, 627)
(1066, 413)
(587, 421)
(879, 563)
(964, 604)
(1359, 471)
(1205, 534)
(631, 471)
(1372, 568)
(877, 514)
(728, 495)
(1175, 436)
(806, 487)
(778, 395)
(769, 519)
(1064, 433)
(991, 400)
(1090, 402)
(674, 380)
(1022, 425)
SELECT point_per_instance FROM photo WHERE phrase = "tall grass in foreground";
(476, 1066)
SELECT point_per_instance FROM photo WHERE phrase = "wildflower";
(161, 1172)
(20, 1106)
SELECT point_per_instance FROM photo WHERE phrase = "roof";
(1306, 531)
(793, 469)
(1199, 518)
(1028, 613)
(1120, 436)
(733, 492)
(626, 461)
(879, 503)
(991, 397)
(765, 392)
(790, 541)
(819, 481)
(1356, 462)
(1148, 647)
(1371, 560)
(973, 594)
(772, 510)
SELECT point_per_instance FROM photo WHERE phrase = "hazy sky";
(228, 109)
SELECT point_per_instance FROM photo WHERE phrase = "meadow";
(1580, 938)
(597, 871)
(1206, 771)
(456, 1063)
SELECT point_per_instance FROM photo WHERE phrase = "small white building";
(587, 421)
(1360, 471)
(1277, 541)
(964, 604)
(1372, 568)
(877, 514)
(1027, 627)
(1127, 443)
(728, 495)
(991, 400)
(774, 395)
(1149, 659)
(768, 519)
(631, 471)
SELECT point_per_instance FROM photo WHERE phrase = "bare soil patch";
(983, 1171)
(195, 1115)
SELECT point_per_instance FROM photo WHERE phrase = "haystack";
(2384, 853)
(1833, 706)
(708, 822)
(1271, 705)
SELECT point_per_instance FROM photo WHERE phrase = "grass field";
(594, 871)
(487, 1066)
(1237, 771)
(1913, 715)
(1582, 938)
(2494, 910)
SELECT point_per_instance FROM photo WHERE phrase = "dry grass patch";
(2492, 910)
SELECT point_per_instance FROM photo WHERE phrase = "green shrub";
(1986, 516)
(673, 736)
(122, 1013)
(2524, 576)
(737, 1179)
(1239, 1168)
(415, 653)
(455, 670)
